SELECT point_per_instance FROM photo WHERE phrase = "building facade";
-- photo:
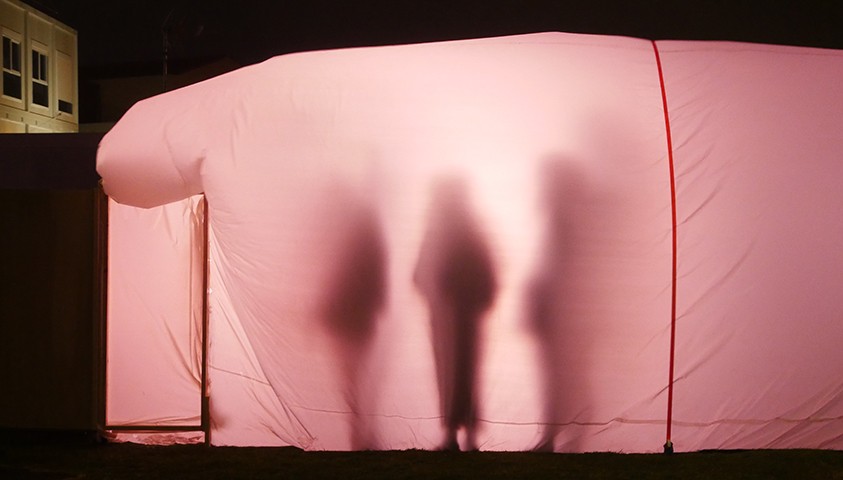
(39, 91)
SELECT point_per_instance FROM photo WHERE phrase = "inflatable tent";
(549, 241)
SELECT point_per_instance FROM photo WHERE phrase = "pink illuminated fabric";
(154, 315)
(759, 157)
(335, 255)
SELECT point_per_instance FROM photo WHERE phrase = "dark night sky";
(123, 31)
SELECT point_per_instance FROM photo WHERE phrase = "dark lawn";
(118, 461)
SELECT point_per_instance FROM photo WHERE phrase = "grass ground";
(128, 461)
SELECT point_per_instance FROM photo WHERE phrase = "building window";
(40, 85)
(11, 68)
(64, 82)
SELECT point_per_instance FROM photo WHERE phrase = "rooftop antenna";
(165, 46)
(175, 23)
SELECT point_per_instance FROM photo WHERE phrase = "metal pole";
(101, 306)
(206, 414)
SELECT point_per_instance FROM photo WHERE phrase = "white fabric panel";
(154, 315)
(757, 136)
(321, 172)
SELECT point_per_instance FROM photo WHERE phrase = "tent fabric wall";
(758, 156)
(324, 175)
(153, 360)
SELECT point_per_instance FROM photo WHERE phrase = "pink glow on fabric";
(155, 315)
(320, 171)
(758, 160)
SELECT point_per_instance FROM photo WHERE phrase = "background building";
(39, 90)
(108, 92)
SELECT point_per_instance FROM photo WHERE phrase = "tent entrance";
(156, 305)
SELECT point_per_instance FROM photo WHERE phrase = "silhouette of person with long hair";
(562, 191)
(355, 295)
(455, 275)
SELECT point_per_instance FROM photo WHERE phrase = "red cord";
(669, 443)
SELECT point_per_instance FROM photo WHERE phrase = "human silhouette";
(455, 275)
(563, 196)
(354, 296)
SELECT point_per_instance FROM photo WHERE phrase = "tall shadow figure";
(354, 296)
(456, 276)
(562, 200)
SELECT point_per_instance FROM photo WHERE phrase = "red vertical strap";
(668, 446)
